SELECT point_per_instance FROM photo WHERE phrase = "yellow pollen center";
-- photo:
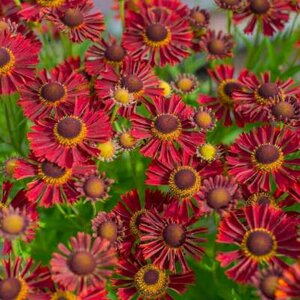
(108, 230)
(7, 61)
(12, 224)
(107, 150)
(51, 3)
(207, 152)
(185, 84)
(63, 295)
(10, 166)
(127, 140)
(122, 96)
(166, 88)
(203, 119)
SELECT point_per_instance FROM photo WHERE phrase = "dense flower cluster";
(202, 199)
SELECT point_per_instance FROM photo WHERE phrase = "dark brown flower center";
(108, 230)
(94, 187)
(268, 90)
(166, 123)
(259, 243)
(259, 7)
(4, 57)
(283, 109)
(263, 200)
(198, 16)
(53, 91)
(269, 285)
(69, 127)
(184, 179)
(231, 87)
(216, 46)
(73, 18)
(115, 53)
(82, 263)
(174, 235)
(52, 170)
(218, 198)
(132, 83)
(151, 276)
(267, 154)
(10, 288)
(156, 32)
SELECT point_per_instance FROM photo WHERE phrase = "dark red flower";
(273, 14)
(75, 19)
(263, 234)
(9, 9)
(198, 18)
(84, 264)
(70, 138)
(257, 93)
(233, 5)
(223, 105)
(263, 153)
(157, 34)
(148, 281)
(18, 59)
(168, 126)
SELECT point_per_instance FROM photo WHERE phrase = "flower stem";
(122, 13)
(229, 21)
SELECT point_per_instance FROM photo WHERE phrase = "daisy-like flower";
(52, 92)
(168, 126)
(217, 45)
(157, 34)
(262, 234)
(147, 281)
(102, 54)
(9, 9)
(135, 81)
(273, 14)
(266, 282)
(70, 138)
(18, 59)
(218, 194)
(233, 5)
(168, 240)
(185, 84)
(130, 210)
(198, 18)
(75, 19)
(263, 153)
(126, 141)
(85, 263)
(94, 187)
(9, 165)
(204, 118)
(208, 152)
(50, 184)
(109, 226)
(223, 104)
(289, 285)
(258, 93)
(22, 280)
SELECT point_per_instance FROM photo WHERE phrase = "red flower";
(262, 153)
(223, 105)
(18, 59)
(9, 9)
(273, 14)
(262, 234)
(75, 19)
(71, 138)
(135, 81)
(157, 34)
(289, 285)
(148, 281)
(50, 183)
(21, 280)
(168, 126)
(52, 92)
(84, 264)
(168, 240)
(255, 96)
(199, 19)
(234, 5)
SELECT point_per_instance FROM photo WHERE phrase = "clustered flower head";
(153, 154)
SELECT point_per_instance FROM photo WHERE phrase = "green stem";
(122, 13)
(229, 21)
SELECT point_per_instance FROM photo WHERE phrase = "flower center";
(122, 96)
(135, 221)
(73, 18)
(269, 285)
(151, 282)
(10, 166)
(174, 235)
(268, 154)
(198, 17)
(3, 26)
(50, 3)
(7, 60)
(82, 263)
(207, 152)
(108, 230)
(218, 198)
(63, 295)
(156, 32)
(283, 109)
(127, 140)
(185, 84)
(259, 7)
(216, 46)
(232, 86)
(203, 119)
(12, 224)
(166, 88)
(132, 83)
(268, 90)
(107, 150)
(10, 289)
(94, 187)
(53, 92)
(166, 127)
(53, 174)
(115, 53)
